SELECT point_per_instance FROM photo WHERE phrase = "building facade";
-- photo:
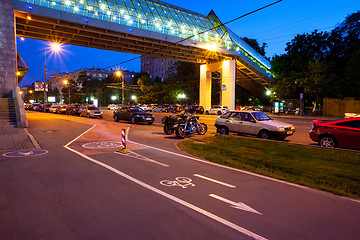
(156, 67)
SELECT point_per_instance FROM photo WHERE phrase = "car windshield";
(260, 116)
(93, 108)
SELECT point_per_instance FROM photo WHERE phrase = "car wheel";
(219, 112)
(87, 115)
(264, 134)
(150, 123)
(132, 120)
(116, 118)
(207, 112)
(224, 131)
(327, 141)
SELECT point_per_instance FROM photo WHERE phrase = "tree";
(255, 45)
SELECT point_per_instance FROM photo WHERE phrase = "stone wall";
(8, 80)
(338, 107)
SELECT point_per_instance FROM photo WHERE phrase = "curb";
(33, 140)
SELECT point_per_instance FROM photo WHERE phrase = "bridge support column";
(8, 79)
(228, 70)
(228, 84)
(205, 87)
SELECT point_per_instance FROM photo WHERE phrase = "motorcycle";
(190, 126)
(171, 122)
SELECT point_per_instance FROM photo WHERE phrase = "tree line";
(321, 64)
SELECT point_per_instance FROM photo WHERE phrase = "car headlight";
(281, 129)
(292, 128)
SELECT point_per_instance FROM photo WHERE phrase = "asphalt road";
(83, 189)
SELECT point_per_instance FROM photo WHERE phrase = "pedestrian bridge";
(150, 28)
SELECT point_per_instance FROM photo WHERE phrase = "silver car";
(254, 123)
(90, 111)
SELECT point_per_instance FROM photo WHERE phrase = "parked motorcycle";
(190, 126)
(172, 121)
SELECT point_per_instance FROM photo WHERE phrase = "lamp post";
(54, 47)
(31, 91)
(119, 74)
(66, 82)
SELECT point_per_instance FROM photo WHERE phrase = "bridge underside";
(51, 29)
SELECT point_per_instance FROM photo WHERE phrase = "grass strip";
(331, 170)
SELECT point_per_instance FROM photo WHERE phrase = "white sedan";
(219, 110)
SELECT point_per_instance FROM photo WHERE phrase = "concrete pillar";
(8, 79)
(228, 84)
(205, 87)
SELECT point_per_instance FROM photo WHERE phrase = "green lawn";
(332, 170)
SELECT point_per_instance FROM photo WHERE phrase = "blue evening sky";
(275, 26)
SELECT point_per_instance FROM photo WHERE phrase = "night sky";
(275, 26)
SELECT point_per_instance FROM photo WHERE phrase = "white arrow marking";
(238, 205)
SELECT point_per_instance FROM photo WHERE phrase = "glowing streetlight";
(54, 47)
(113, 97)
(66, 82)
(268, 93)
(119, 74)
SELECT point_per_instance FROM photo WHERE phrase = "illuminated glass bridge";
(143, 27)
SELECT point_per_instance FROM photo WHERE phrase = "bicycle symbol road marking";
(183, 182)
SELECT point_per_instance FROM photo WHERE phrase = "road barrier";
(123, 138)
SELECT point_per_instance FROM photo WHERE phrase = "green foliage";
(321, 64)
(255, 45)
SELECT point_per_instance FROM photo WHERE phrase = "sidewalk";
(12, 139)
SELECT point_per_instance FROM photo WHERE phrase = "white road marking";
(226, 167)
(164, 194)
(138, 156)
(238, 205)
(215, 181)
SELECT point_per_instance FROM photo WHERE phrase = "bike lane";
(251, 205)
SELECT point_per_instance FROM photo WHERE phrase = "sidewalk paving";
(13, 138)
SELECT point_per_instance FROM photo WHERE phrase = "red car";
(344, 133)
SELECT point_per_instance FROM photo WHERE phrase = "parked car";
(134, 115)
(343, 133)
(219, 110)
(174, 108)
(35, 106)
(61, 109)
(73, 109)
(52, 108)
(90, 111)
(159, 109)
(196, 109)
(113, 106)
(28, 106)
(254, 123)
(46, 107)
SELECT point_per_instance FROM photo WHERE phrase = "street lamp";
(66, 82)
(31, 91)
(119, 74)
(54, 47)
